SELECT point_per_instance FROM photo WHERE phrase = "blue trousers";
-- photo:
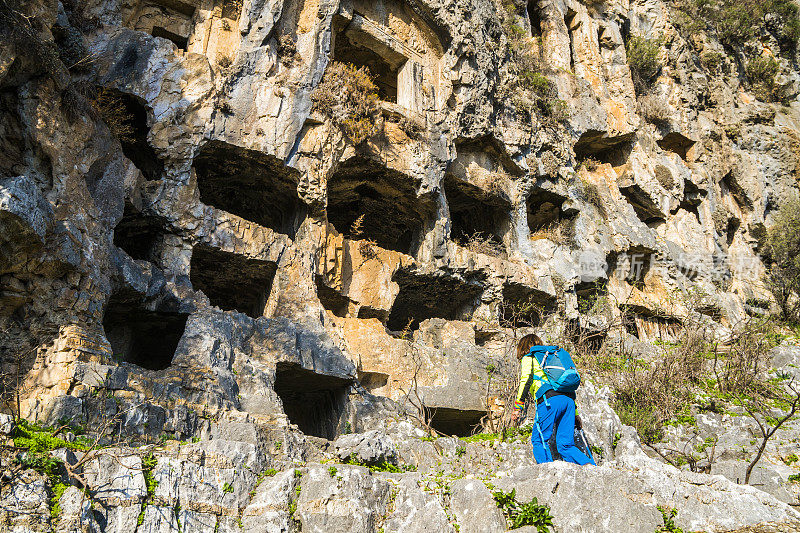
(560, 414)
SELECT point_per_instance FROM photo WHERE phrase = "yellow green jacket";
(530, 369)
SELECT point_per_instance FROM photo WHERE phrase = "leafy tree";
(783, 252)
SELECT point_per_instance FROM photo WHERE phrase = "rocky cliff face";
(195, 248)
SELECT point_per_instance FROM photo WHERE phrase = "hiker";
(555, 399)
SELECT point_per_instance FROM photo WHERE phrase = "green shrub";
(644, 60)
(734, 22)
(761, 73)
(348, 96)
(783, 253)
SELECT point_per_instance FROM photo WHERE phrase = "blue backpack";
(558, 368)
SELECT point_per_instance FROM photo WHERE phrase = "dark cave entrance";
(179, 41)
(250, 184)
(593, 145)
(142, 337)
(231, 281)
(478, 219)
(677, 143)
(524, 306)
(362, 50)
(454, 422)
(383, 200)
(431, 296)
(535, 17)
(544, 209)
(314, 402)
(570, 20)
(331, 299)
(138, 234)
(126, 117)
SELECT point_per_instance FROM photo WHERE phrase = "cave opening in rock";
(595, 147)
(633, 266)
(138, 234)
(250, 184)
(729, 185)
(524, 306)
(677, 143)
(331, 299)
(535, 18)
(571, 21)
(592, 295)
(369, 201)
(730, 229)
(177, 40)
(585, 338)
(140, 336)
(436, 295)
(454, 422)
(314, 402)
(478, 219)
(361, 49)
(692, 198)
(126, 117)
(642, 203)
(232, 282)
(645, 325)
(373, 380)
(544, 210)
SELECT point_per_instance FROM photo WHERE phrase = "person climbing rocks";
(554, 392)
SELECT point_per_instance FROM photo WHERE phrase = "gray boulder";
(371, 448)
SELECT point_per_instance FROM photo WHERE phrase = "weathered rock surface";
(198, 262)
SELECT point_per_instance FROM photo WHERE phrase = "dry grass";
(592, 195)
(287, 51)
(348, 96)
(654, 109)
(557, 232)
(115, 114)
(224, 61)
(481, 243)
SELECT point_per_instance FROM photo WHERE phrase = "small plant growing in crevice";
(348, 96)
(149, 463)
(381, 467)
(668, 515)
(644, 60)
(287, 51)
(112, 109)
(523, 514)
(761, 72)
(227, 488)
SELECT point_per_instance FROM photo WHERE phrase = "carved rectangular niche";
(400, 50)
(393, 215)
(140, 336)
(251, 184)
(231, 281)
(314, 402)
(170, 19)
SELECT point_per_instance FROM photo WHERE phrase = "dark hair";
(526, 343)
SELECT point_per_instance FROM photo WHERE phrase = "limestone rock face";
(198, 260)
